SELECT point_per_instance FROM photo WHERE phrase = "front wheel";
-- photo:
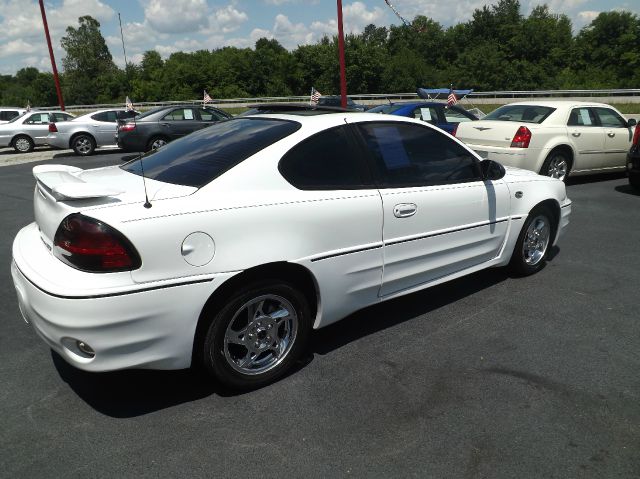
(257, 336)
(530, 252)
(156, 142)
(556, 165)
(83, 145)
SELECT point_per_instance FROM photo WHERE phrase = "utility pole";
(343, 80)
(53, 60)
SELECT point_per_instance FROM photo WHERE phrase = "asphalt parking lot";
(487, 376)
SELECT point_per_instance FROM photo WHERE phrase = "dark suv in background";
(161, 125)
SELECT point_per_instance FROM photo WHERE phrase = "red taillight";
(522, 138)
(91, 245)
(53, 128)
(127, 127)
(636, 136)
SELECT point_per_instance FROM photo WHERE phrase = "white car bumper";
(525, 158)
(152, 326)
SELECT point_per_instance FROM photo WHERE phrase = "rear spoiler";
(64, 183)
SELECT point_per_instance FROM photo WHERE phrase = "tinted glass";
(324, 161)
(411, 155)
(180, 114)
(453, 115)
(582, 117)
(385, 108)
(8, 115)
(610, 119)
(207, 114)
(106, 116)
(521, 113)
(197, 159)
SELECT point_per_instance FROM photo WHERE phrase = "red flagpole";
(53, 60)
(343, 80)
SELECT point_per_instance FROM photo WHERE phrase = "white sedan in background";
(24, 132)
(228, 246)
(87, 132)
(553, 138)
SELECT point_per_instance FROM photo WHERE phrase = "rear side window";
(106, 116)
(326, 161)
(411, 155)
(453, 115)
(582, 117)
(200, 157)
(521, 113)
(7, 115)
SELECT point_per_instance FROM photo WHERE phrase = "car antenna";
(147, 203)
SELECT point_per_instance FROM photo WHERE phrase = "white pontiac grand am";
(554, 138)
(227, 247)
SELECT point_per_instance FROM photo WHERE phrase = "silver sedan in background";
(87, 132)
(31, 129)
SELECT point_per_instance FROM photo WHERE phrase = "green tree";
(88, 65)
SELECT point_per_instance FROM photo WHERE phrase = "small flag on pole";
(206, 98)
(127, 104)
(451, 99)
(28, 106)
(315, 95)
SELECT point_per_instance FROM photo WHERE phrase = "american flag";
(451, 99)
(28, 106)
(127, 104)
(206, 98)
(315, 95)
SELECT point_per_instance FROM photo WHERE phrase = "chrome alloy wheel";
(158, 143)
(536, 240)
(260, 334)
(558, 167)
(83, 145)
(22, 144)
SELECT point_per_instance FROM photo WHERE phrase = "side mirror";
(631, 122)
(492, 170)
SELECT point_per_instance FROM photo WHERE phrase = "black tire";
(557, 165)
(530, 254)
(240, 349)
(23, 144)
(83, 144)
(156, 142)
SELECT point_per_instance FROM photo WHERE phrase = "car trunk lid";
(62, 190)
(488, 133)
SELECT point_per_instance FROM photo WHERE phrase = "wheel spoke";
(236, 337)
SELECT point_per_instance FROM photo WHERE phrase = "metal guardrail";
(627, 95)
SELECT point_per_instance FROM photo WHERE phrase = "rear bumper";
(525, 158)
(131, 143)
(149, 325)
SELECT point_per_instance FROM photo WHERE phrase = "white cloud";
(229, 18)
(16, 47)
(177, 16)
(587, 16)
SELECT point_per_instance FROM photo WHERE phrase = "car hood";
(62, 190)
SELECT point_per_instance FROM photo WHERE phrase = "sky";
(168, 26)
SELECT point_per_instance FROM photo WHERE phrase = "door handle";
(576, 134)
(611, 134)
(404, 210)
(164, 124)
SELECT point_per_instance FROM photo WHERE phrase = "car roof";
(557, 103)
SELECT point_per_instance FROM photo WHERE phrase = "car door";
(439, 216)
(617, 138)
(37, 127)
(104, 127)
(587, 136)
(338, 210)
(179, 122)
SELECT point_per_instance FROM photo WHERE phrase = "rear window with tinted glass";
(521, 113)
(197, 159)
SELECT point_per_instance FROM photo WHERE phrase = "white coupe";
(227, 247)
(554, 138)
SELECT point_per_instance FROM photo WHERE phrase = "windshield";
(521, 113)
(385, 108)
(199, 158)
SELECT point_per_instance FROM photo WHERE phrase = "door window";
(455, 116)
(37, 119)
(412, 155)
(180, 114)
(428, 114)
(610, 119)
(325, 161)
